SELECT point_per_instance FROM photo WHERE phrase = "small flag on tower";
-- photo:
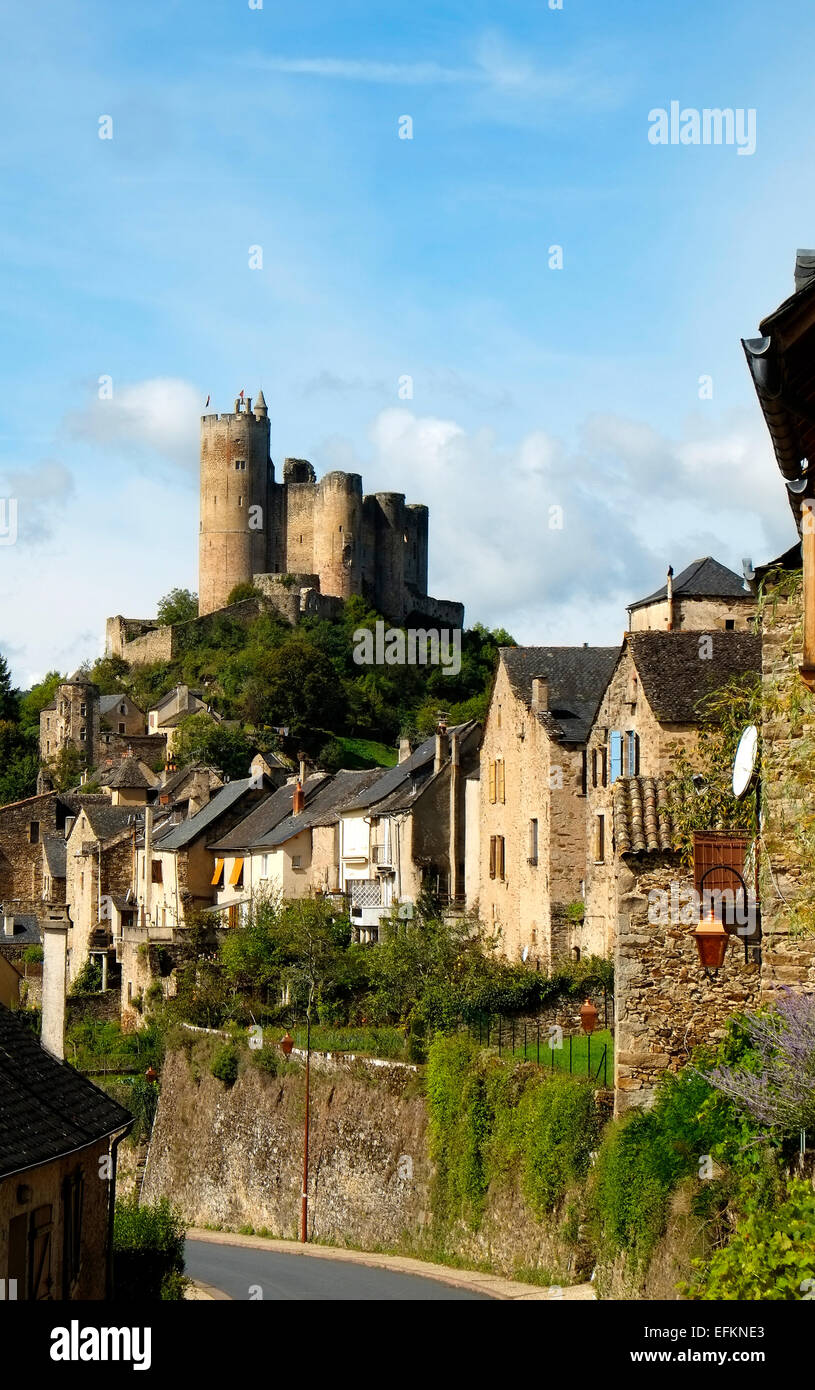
(241, 395)
(206, 403)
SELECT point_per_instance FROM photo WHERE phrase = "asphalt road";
(241, 1272)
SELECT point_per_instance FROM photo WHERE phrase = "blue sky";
(533, 387)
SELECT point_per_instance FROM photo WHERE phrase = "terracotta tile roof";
(643, 819)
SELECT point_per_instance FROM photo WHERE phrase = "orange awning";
(237, 870)
(219, 868)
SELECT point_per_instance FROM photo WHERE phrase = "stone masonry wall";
(788, 954)
(665, 1005)
(232, 1157)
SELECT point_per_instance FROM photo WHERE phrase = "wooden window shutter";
(492, 781)
(492, 855)
(723, 850)
(219, 868)
(604, 759)
(501, 783)
(499, 866)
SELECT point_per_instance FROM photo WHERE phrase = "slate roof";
(705, 578)
(577, 678)
(392, 779)
(263, 819)
(46, 1108)
(109, 702)
(223, 800)
(325, 808)
(26, 929)
(107, 821)
(643, 819)
(675, 677)
(55, 854)
(128, 776)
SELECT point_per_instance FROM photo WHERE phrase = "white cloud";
(632, 501)
(41, 493)
(158, 416)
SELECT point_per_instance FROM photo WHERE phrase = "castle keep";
(324, 533)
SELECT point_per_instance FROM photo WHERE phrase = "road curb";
(197, 1291)
(494, 1285)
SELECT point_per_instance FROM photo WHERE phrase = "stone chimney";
(405, 749)
(199, 791)
(442, 747)
(69, 825)
(540, 694)
(54, 979)
(298, 800)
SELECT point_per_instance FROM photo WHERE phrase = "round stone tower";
(236, 484)
(338, 534)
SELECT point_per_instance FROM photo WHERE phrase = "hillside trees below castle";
(264, 675)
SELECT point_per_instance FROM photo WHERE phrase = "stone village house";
(650, 708)
(406, 833)
(532, 815)
(56, 1208)
(782, 364)
(704, 596)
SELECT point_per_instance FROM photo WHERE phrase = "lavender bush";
(780, 1092)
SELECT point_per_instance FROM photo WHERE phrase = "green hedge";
(490, 1119)
(148, 1253)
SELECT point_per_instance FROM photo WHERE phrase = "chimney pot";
(298, 799)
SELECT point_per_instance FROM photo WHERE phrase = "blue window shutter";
(616, 751)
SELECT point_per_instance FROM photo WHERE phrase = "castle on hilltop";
(324, 534)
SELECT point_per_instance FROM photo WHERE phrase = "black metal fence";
(538, 1040)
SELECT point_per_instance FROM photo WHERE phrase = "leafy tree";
(770, 1256)
(109, 674)
(178, 606)
(65, 769)
(9, 697)
(201, 740)
(296, 686)
(241, 592)
(32, 704)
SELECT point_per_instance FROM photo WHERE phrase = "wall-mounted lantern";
(710, 933)
(287, 1043)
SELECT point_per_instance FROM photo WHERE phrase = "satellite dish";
(744, 763)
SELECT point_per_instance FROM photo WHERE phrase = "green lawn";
(366, 752)
(573, 1055)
